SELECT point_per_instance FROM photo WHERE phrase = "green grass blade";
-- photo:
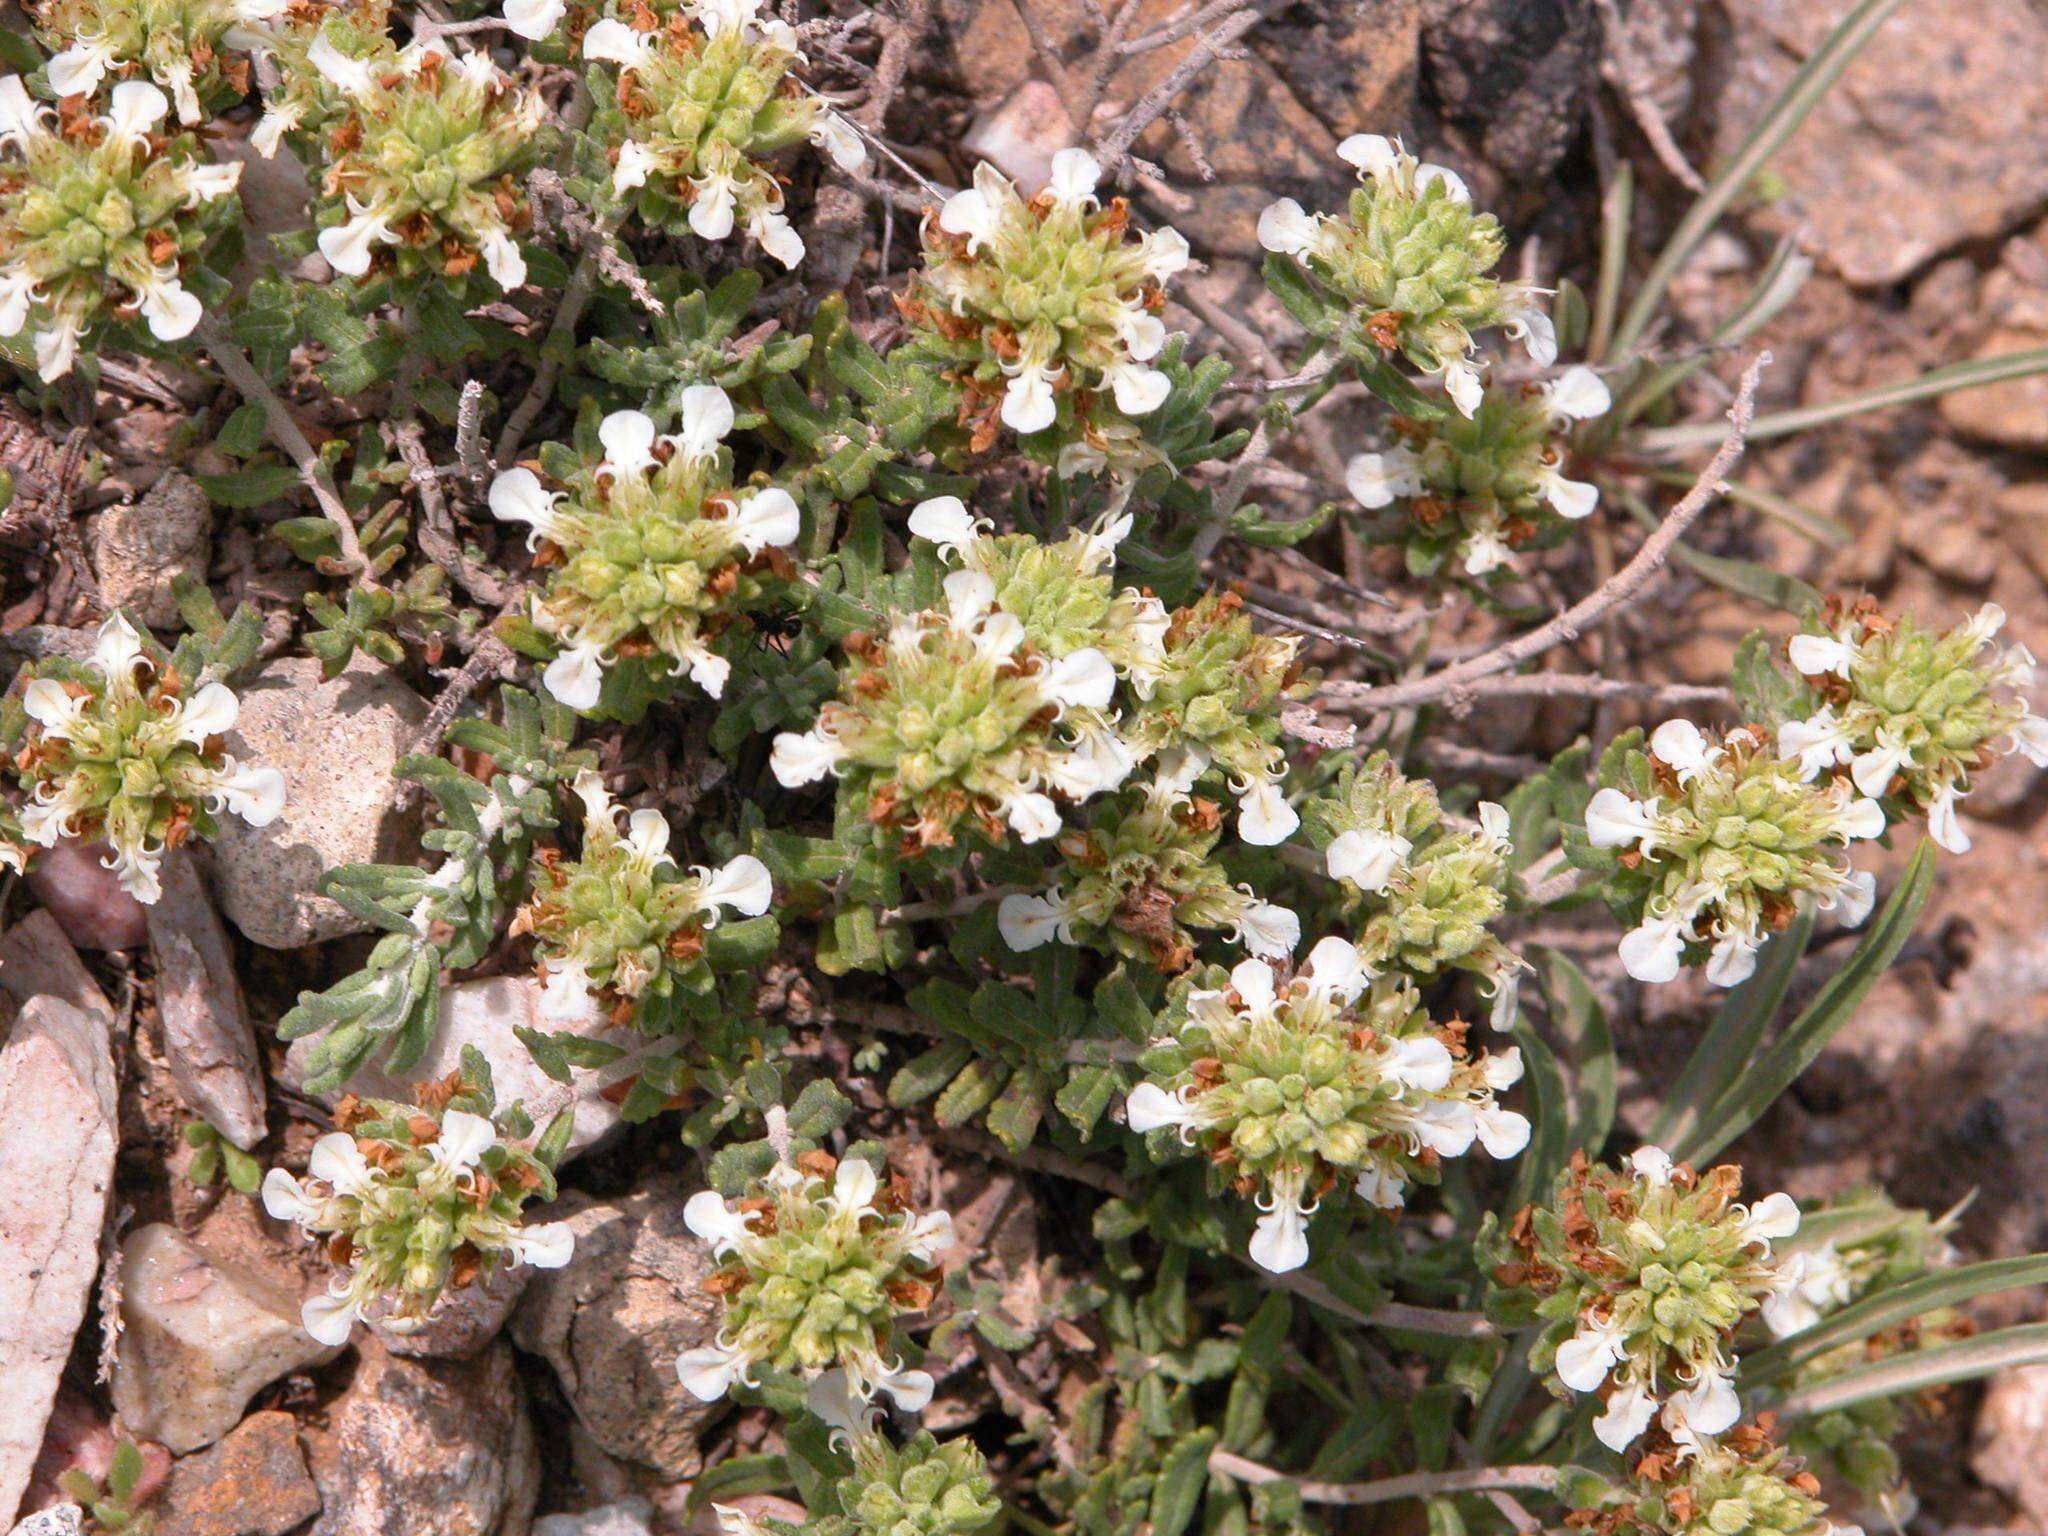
(1938, 381)
(1923, 1368)
(1801, 95)
(1617, 213)
(1916, 1298)
(1731, 1040)
(1765, 1077)
(1783, 276)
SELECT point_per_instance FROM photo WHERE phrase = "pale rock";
(253, 1483)
(628, 1517)
(141, 547)
(2013, 412)
(206, 1033)
(72, 883)
(2011, 1442)
(200, 1335)
(465, 1319)
(2023, 524)
(1929, 141)
(336, 742)
(613, 1320)
(428, 1448)
(483, 1013)
(58, 1134)
(1951, 546)
(36, 960)
(1020, 136)
(65, 1519)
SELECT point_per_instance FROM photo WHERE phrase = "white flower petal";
(1578, 394)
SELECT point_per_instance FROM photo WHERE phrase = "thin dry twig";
(1412, 1485)
(1561, 685)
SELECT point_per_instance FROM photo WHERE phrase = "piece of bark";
(207, 1039)
(58, 1135)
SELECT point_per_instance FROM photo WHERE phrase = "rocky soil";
(141, 1306)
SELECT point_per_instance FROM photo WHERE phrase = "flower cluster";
(1044, 300)
(101, 218)
(697, 110)
(1911, 713)
(1642, 1277)
(817, 1275)
(1716, 845)
(189, 47)
(126, 752)
(1037, 678)
(923, 1488)
(425, 156)
(1427, 890)
(620, 923)
(1410, 260)
(1480, 487)
(654, 553)
(1336, 1076)
(1140, 876)
(1739, 1485)
(415, 1199)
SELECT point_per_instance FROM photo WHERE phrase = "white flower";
(1266, 929)
(1374, 154)
(338, 1163)
(744, 884)
(1651, 951)
(1820, 655)
(1534, 329)
(1139, 390)
(547, 1245)
(1943, 825)
(48, 704)
(830, 1397)
(1651, 1163)
(17, 292)
(707, 419)
(1861, 820)
(279, 119)
(1334, 969)
(1732, 960)
(1083, 679)
(709, 1371)
(1613, 820)
(1584, 1359)
(502, 256)
(628, 439)
(1367, 859)
(1165, 253)
(463, 1141)
(1421, 1062)
(57, 347)
(1572, 499)
(534, 19)
(946, 522)
(973, 214)
(1264, 818)
(1284, 227)
(719, 1227)
(616, 43)
(1984, 623)
(1577, 394)
(1872, 772)
(1487, 549)
(837, 137)
(630, 169)
(777, 236)
(1706, 1408)
(351, 77)
(78, 70)
(853, 1188)
(256, 795)
(1680, 745)
(1502, 1132)
(1628, 1414)
(1427, 175)
(172, 313)
(1152, 1108)
(1280, 1237)
(1375, 479)
(1028, 402)
(1820, 742)
(1074, 178)
(1461, 383)
(566, 996)
(911, 1390)
(576, 677)
(285, 1199)
(799, 759)
(330, 1317)
(517, 496)
(768, 518)
(1032, 816)
(1772, 1217)
(347, 245)
(1026, 921)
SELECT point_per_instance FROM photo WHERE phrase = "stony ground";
(1918, 190)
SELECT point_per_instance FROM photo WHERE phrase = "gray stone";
(207, 1039)
(465, 1320)
(140, 548)
(58, 1134)
(484, 1013)
(612, 1321)
(199, 1336)
(628, 1517)
(58, 1520)
(1929, 141)
(336, 742)
(2011, 1452)
(430, 1448)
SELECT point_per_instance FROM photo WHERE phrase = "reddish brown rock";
(253, 1483)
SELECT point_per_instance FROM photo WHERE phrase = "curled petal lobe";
(768, 519)
(743, 885)
(709, 1371)
(576, 677)
(720, 1228)
(1534, 329)
(1083, 679)
(628, 440)
(329, 1318)
(1029, 404)
(800, 758)
(707, 421)
(517, 496)
(1820, 655)
(286, 1199)
(1372, 153)
(1280, 1238)
(1628, 1414)
(336, 1162)
(1026, 922)
(464, 1140)
(1075, 175)
(548, 1245)
(1264, 817)
(1375, 479)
